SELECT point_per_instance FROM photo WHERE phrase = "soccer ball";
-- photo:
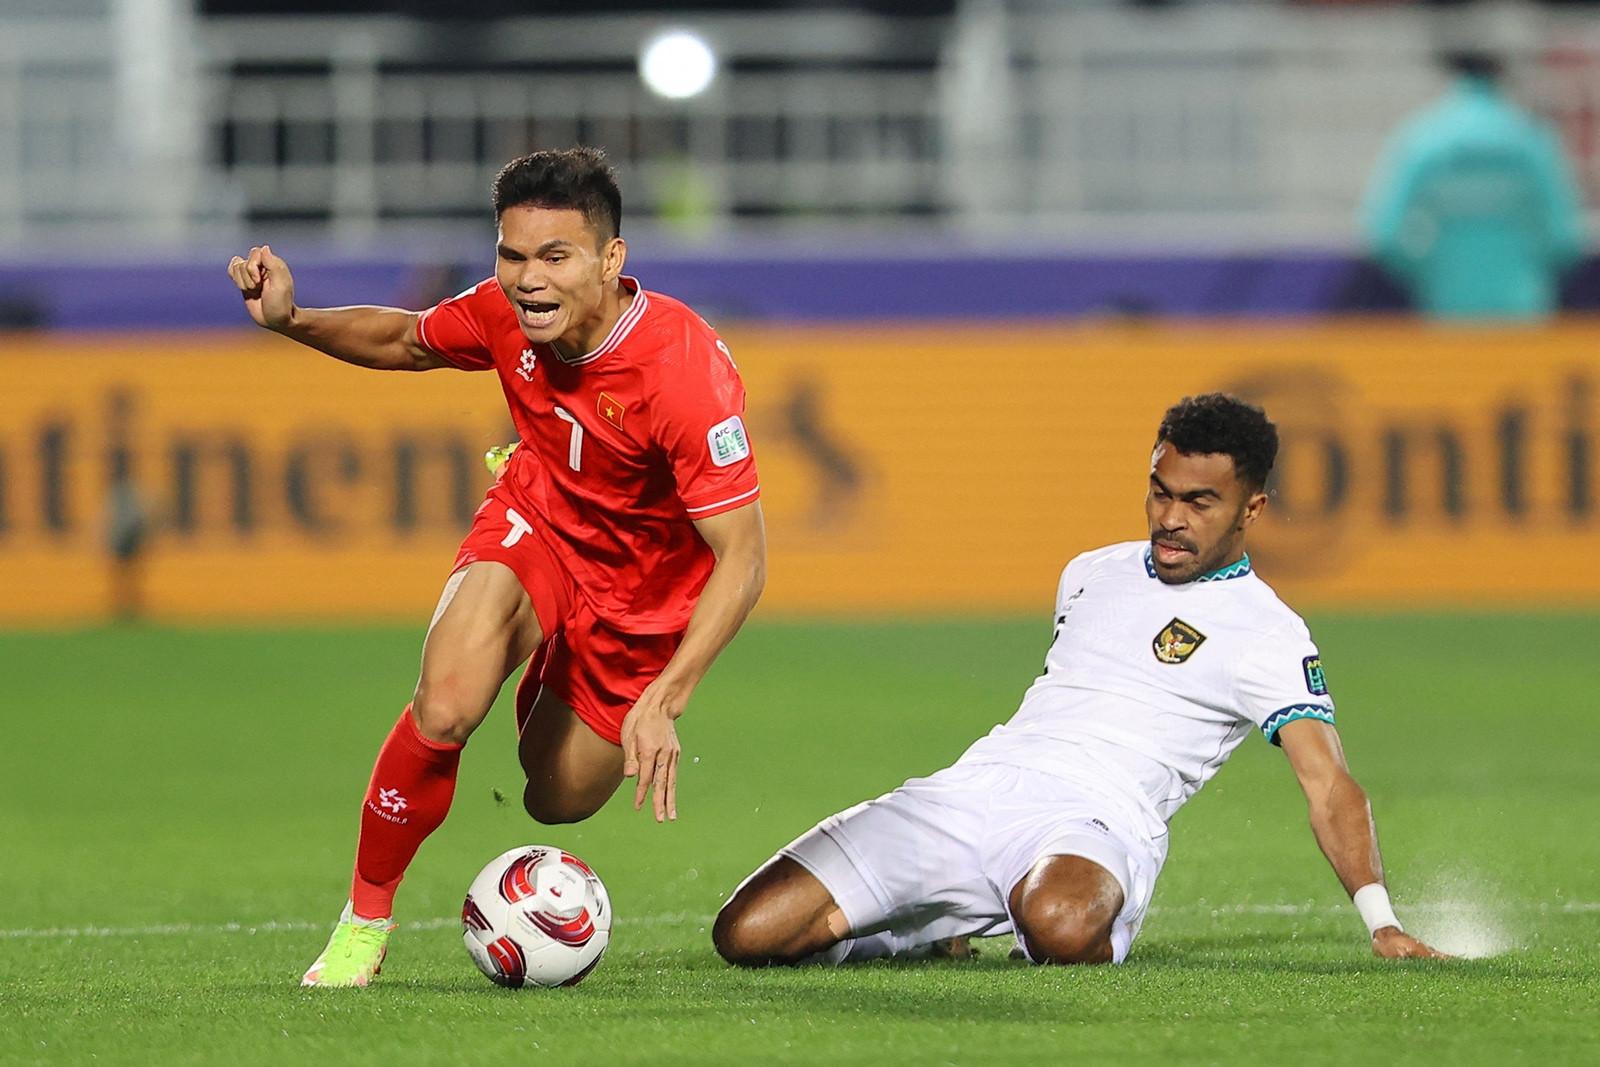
(536, 916)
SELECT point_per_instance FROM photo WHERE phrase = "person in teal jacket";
(1473, 207)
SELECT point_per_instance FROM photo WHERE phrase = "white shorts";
(938, 857)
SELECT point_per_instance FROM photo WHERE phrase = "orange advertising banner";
(904, 470)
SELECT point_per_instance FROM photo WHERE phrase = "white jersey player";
(1167, 653)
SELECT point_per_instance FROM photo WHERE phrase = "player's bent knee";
(1064, 932)
(445, 714)
(743, 935)
(731, 938)
(553, 809)
(754, 930)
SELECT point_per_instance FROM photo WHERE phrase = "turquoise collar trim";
(1233, 570)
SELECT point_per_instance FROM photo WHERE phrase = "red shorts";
(597, 669)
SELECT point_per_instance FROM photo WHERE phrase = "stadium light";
(677, 64)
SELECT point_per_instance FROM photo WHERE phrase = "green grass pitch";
(178, 809)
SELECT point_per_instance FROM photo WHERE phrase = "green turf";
(157, 784)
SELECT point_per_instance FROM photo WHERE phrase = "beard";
(1197, 563)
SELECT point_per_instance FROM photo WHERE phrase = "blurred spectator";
(1473, 208)
(127, 517)
(128, 527)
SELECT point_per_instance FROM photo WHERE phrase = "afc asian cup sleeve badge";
(728, 442)
(1176, 642)
(1316, 679)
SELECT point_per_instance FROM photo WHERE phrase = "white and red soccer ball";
(536, 916)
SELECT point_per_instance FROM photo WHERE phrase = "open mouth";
(537, 314)
(1171, 551)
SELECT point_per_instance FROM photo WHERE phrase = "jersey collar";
(619, 330)
(1237, 569)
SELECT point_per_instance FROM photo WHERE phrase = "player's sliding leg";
(572, 771)
(781, 914)
(484, 628)
(1064, 909)
(971, 850)
(900, 875)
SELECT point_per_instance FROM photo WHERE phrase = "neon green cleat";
(355, 952)
(499, 456)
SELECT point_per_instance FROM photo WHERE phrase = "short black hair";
(1219, 423)
(577, 178)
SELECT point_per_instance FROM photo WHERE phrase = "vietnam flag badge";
(611, 409)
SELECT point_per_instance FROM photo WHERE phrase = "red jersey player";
(621, 547)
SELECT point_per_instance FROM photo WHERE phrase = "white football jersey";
(1148, 687)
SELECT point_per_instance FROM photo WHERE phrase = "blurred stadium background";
(965, 251)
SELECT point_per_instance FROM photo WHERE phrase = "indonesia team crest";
(1177, 641)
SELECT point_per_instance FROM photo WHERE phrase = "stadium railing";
(1203, 124)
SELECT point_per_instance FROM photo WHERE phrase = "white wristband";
(1372, 901)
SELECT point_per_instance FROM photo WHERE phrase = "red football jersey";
(622, 449)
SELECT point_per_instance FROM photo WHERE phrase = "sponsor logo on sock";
(389, 806)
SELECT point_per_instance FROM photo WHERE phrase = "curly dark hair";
(1219, 423)
(566, 178)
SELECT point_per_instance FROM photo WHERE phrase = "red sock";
(407, 799)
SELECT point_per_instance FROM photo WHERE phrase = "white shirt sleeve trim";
(422, 333)
(724, 503)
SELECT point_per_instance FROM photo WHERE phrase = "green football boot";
(355, 952)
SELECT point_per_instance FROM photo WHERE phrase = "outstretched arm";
(377, 337)
(650, 749)
(1341, 818)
